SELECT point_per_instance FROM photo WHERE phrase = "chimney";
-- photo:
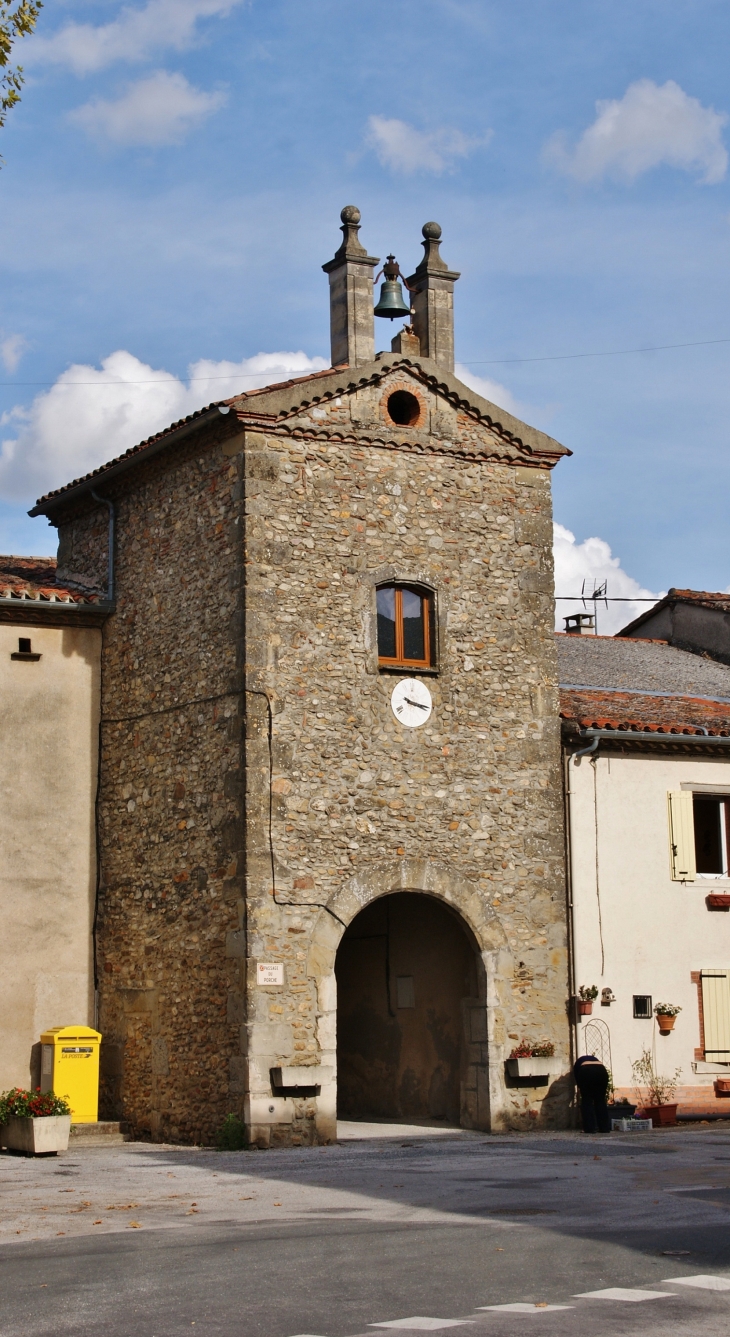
(352, 326)
(432, 299)
(580, 624)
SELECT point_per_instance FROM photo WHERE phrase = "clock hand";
(415, 703)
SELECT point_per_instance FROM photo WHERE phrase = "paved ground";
(409, 1230)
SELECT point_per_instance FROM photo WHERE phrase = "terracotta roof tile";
(35, 578)
(630, 712)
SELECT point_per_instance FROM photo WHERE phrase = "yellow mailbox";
(70, 1068)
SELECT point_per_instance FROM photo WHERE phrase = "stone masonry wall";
(170, 802)
(476, 791)
(333, 790)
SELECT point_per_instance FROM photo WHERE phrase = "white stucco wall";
(48, 763)
(655, 931)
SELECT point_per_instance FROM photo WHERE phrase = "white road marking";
(702, 1281)
(520, 1308)
(621, 1293)
(421, 1324)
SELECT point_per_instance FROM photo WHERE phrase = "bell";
(391, 303)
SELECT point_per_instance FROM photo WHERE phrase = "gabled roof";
(700, 598)
(285, 399)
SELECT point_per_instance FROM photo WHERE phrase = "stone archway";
(480, 1084)
(407, 980)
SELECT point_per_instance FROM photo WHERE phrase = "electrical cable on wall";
(203, 700)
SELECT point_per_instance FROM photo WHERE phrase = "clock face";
(411, 702)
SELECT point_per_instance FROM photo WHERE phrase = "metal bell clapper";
(391, 303)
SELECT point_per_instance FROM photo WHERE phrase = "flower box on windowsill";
(37, 1137)
(533, 1067)
(717, 900)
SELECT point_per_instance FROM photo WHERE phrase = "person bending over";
(591, 1078)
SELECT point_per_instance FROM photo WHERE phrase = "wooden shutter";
(681, 836)
(716, 1015)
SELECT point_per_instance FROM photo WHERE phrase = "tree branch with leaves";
(15, 23)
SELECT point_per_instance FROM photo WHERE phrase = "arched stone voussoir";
(425, 876)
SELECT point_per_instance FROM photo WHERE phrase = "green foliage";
(231, 1135)
(667, 1010)
(588, 993)
(661, 1089)
(15, 22)
(20, 1104)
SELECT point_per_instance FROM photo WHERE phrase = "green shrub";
(231, 1135)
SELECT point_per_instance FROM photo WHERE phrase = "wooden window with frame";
(406, 627)
(711, 816)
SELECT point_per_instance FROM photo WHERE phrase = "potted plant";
(34, 1122)
(533, 1059)
(620, 1108)
(659, 1107)
(666, 1015)
(587, 995)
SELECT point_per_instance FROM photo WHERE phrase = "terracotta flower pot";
(37, 1137)
(584, 1009)
(666, 1023)
(662, 1116)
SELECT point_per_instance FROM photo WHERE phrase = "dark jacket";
(591, 1077)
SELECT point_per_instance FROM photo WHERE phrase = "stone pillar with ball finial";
(352, 326)
(432, 299)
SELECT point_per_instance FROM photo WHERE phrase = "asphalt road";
(154, 1241)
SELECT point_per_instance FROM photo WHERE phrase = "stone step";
(102, 1134)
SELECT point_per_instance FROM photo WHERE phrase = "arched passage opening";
(409, 983)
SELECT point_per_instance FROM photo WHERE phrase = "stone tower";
(330, 823)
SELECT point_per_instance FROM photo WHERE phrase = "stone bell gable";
(352, 404)
(258, 793)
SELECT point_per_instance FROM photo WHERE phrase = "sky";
(172, 183)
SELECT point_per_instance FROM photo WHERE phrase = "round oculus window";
(403, 408)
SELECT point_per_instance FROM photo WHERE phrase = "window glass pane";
(413, 630)
(386, 622)
(708, 840)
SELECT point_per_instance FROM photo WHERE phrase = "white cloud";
(402, 148)
(491, 390)
(90, 416)
(648, 126)
(160, 109)
(12, 348)
(136, 34)
(592, 562)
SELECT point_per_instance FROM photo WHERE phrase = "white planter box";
(533, 1067)
(314, 1075)
(37, 1137)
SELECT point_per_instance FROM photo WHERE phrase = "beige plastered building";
(50, 646)
(646, 729)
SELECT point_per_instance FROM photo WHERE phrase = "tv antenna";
(598, 595)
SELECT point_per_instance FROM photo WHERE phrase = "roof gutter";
(646, 736)
(122, 466)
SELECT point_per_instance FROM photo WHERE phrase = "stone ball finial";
(431, 231)
(350, 214)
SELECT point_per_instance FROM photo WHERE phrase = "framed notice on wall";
(270, 972)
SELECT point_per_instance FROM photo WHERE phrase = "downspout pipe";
(105, 501)
(586, 751)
